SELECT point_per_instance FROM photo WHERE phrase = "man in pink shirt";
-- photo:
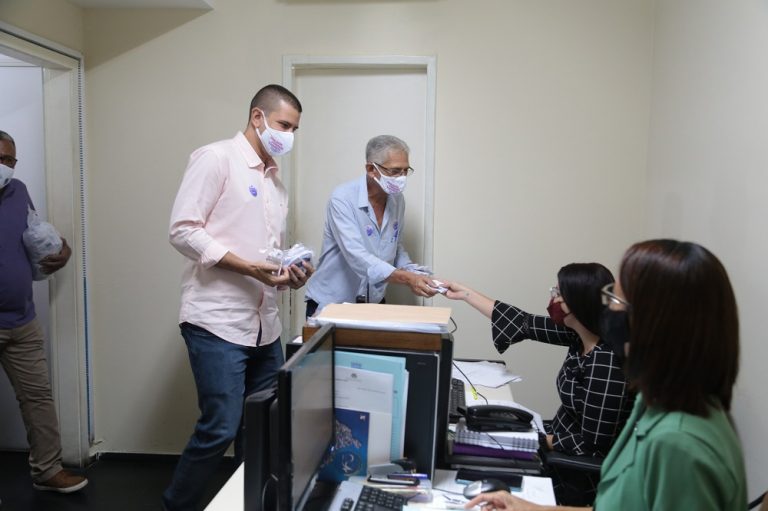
(230, 207)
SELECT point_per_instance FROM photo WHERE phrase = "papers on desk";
(447, 491)
(375, 316)
(485, 373)
(376, 384)
(370, 393)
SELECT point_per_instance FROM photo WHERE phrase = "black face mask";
(614, 330)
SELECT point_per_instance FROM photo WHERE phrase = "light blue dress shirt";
(357, 255)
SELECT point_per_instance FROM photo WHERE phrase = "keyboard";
(357, 497)
(458, 399)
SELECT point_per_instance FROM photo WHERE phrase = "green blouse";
(673, 461)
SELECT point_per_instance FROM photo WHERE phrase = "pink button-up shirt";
(228, 202)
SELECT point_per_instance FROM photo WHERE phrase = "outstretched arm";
(477, 300)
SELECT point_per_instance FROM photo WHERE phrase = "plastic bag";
(41, 239)
(294, 255)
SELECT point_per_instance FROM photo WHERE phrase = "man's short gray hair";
(7, 138)
(378, 148)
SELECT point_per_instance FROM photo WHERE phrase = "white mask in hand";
(277, 143)
(6, 174)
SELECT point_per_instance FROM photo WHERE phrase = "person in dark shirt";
(594, 396)
(22, 346)
(673, 314)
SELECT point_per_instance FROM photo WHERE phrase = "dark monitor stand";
(288, 429)
(259, 490)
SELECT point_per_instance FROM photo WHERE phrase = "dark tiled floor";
(115, 483)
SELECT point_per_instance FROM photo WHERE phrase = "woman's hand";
(477, 300)
(502, 500)
(456, 291)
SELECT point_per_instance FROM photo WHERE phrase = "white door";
(21, 116)
(344, 107)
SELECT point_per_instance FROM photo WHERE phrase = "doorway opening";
(62, 158)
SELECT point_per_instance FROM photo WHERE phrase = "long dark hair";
(580, 285)
(684, 340)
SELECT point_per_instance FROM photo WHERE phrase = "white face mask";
(391, 185)
(277, 143)
(6, 174)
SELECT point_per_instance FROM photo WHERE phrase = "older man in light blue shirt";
(362, 249)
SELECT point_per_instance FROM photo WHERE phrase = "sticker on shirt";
(396, 229)
(253, 190)
(369, 230)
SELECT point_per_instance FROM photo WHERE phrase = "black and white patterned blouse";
(595, 399)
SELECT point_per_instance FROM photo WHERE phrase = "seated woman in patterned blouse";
(595, 399)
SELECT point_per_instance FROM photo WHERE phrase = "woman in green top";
(674, 307)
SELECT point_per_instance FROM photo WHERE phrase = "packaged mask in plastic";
(41, 239)
(297, 254)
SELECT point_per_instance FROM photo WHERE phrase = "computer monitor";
(302, 419)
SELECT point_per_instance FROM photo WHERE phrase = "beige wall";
(56, 20)
(543, 116)
(542, 113)
(707, 170)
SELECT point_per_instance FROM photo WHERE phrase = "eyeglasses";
(554, 291)
(392, 172)
(7, 159)
(608, 297)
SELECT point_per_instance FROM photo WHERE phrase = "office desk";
(535, 489)
(539, 489)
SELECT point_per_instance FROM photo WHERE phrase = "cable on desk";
(455, 326)
(472, 385)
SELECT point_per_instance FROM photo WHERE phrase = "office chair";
(761, 499)
(588, 464)
(572, 476)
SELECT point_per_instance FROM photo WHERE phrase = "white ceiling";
(143, 4)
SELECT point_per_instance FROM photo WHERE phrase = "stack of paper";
(498, 444)
(378, 386)
(375, 316)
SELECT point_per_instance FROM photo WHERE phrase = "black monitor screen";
(304, 417)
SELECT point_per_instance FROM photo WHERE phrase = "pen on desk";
(407, 475)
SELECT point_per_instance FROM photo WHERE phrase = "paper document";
(375, 316)
(448, 492)
(395, 367)
(371, 392)
(485, 373)
(358, 389)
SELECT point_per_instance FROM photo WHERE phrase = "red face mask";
(556, 312)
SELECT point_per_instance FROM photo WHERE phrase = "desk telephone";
(498, 418)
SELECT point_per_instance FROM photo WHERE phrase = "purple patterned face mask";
(391, 185)
(276, 142)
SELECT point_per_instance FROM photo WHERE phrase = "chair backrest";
(761, 499)
(590, 464)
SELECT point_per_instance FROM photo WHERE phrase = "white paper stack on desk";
(376, 316)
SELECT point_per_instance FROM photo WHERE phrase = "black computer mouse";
(475, 488)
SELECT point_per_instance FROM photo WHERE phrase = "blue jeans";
(225, 374)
